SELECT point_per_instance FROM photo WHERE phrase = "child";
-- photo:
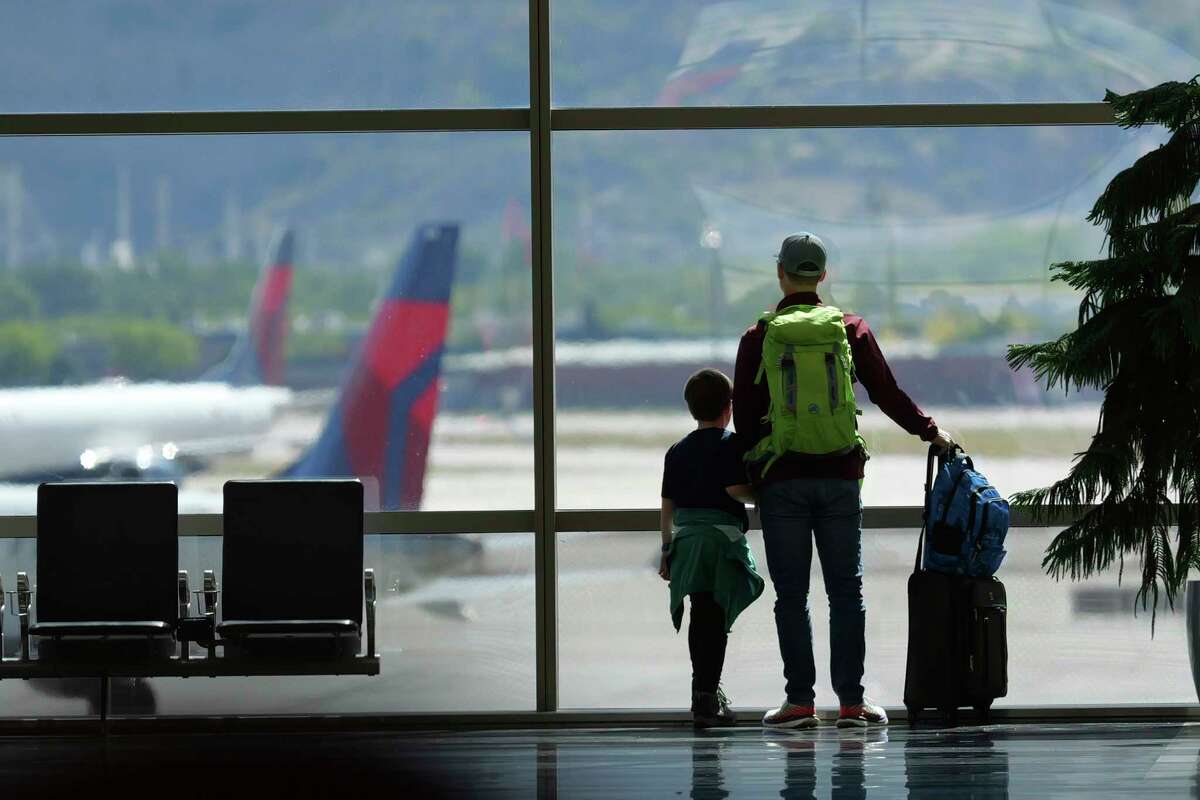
(705, 555)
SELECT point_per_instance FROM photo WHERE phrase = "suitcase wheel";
(914, 716)
(984, 711)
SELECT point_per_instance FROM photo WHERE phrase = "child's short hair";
(707, 393)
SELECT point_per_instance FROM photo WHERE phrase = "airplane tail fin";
(380, 426)
(257, 355)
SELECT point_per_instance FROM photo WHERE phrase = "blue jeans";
(794, 514)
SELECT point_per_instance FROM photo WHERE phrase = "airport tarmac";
(613, 459)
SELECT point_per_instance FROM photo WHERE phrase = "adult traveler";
(794, 404)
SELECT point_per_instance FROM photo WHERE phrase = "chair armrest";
(185, 595)
(369, 597)
(211, 593)
(24, 601)
(185, 611)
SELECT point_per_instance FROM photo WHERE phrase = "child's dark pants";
(706, 641)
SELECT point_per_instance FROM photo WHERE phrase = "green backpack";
(809, 370)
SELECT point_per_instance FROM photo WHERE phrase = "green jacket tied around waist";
(708, 553)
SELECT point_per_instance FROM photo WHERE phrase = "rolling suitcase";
(957, 636)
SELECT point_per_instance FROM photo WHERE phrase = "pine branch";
(1157, 185)
(1171, 104)
(1092, 354)
(1079, 552)
(1153, 237)
(1109, 280)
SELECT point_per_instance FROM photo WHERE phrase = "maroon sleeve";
(750, 400)
(876, 377)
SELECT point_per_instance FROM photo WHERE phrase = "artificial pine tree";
(1138, 340)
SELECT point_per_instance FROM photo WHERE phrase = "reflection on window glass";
(207, 308)
(1068, 643)
(455, 633)
(147, 55)
(939, 238)
(773, 52)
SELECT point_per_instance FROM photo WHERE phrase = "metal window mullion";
(841, 116)
(150, 123)
(545, 537)
(634, 520)
(597, 520)
(143, 123)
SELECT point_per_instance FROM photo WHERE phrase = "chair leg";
(104, 698)
(369, 597)
(24, 601)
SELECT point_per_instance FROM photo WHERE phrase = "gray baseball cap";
(802, 254)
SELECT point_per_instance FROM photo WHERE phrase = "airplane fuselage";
(63, 429)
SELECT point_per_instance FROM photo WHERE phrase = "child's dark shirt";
(699, 466)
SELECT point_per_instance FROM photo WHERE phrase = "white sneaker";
(862, 715)
(792, 716)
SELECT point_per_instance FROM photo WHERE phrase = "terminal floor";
(1096, 760)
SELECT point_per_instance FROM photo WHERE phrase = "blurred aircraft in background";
(121, 429)
(378, 429)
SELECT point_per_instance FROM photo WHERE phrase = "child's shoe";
(711, 710)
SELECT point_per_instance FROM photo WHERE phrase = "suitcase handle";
(941, 457)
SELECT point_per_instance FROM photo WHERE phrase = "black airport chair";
(107, 572)
(292, 564)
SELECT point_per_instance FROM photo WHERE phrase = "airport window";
(207, 308)
(603, 243)
(116, 55)
(776, 52)
(939, 237)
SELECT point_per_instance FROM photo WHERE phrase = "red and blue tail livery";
(380, 427)
(257, 356)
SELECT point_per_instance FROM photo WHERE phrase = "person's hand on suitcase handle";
(943, 441)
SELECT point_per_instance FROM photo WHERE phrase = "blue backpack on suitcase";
(966, 520)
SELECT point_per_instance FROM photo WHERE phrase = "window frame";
(541, 121)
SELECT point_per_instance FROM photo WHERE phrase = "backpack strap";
(766, 317)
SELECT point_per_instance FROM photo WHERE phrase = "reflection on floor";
(999, 761)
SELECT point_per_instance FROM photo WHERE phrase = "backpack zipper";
(831, 378)
(787, 366)
(971, 513)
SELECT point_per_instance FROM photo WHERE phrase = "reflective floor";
(1000, 761)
